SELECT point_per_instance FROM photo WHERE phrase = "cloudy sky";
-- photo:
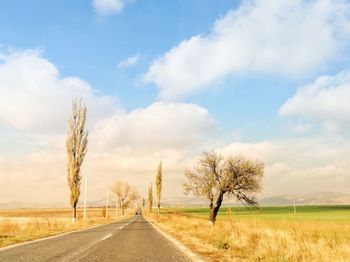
(165, 80)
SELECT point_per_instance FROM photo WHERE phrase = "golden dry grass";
(21, 225)
(51, 212)
(257, 240)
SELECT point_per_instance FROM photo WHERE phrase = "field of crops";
(329, 213)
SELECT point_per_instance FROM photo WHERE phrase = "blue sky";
(84, 44)
(168, 79)
(81, 43)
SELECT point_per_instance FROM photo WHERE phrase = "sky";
(167, 80)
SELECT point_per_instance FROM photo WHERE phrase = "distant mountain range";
(316, 198)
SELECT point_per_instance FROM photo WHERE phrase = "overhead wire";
(8, 123)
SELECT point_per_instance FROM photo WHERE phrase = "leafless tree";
(159, 183)
(76, 145)
(150, 198)
(125, 195)
(214, 177)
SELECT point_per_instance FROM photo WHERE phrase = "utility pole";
(116, 208)
(107, 205)
(85, 196)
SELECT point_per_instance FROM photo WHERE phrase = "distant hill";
(316, 198)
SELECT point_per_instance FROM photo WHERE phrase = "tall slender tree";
(76, 145)
(150, 198)
(159, 183)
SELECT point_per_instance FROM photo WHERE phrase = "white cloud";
(324, 101)
(292, 166)
(42, 178)
(124, 145)
(108, 7)
(161, 125)
(129, 145)
(130, 61)
(263, 151)
(265, 36)
(34, 97)
(302, 128)
(299, 165)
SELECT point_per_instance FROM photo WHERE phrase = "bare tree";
(159, 183)
(150, 198)
(125, 195)
(214, 177)
(76, 145)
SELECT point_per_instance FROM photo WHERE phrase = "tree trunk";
(215, 209)
(122, 207)
(211, 210)
(74, 213)
(158, 208)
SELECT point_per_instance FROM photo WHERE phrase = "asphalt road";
(133, 239)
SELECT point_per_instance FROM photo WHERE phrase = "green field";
(337, 213)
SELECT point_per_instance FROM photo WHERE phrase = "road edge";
(54, 236)
(192, 256)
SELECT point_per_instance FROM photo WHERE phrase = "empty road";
(133, 239)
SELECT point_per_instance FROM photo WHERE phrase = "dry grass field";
(254, 239)
(20, 225)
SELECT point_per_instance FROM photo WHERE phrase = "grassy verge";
(237, 239)
(17, 226)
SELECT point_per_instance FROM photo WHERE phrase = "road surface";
(133, 239)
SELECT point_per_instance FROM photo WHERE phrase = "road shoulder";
(191, 255)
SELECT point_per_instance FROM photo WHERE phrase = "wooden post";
(107, 205)
(85, 196)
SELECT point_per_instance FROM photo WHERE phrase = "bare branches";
(214, 176)
(76, 146)
(125, 194)
(204, 179)
(243, 176)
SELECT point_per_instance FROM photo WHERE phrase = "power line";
(8, 123)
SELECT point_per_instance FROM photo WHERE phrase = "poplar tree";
(159, 182)
(150, 198)
(76, 146)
